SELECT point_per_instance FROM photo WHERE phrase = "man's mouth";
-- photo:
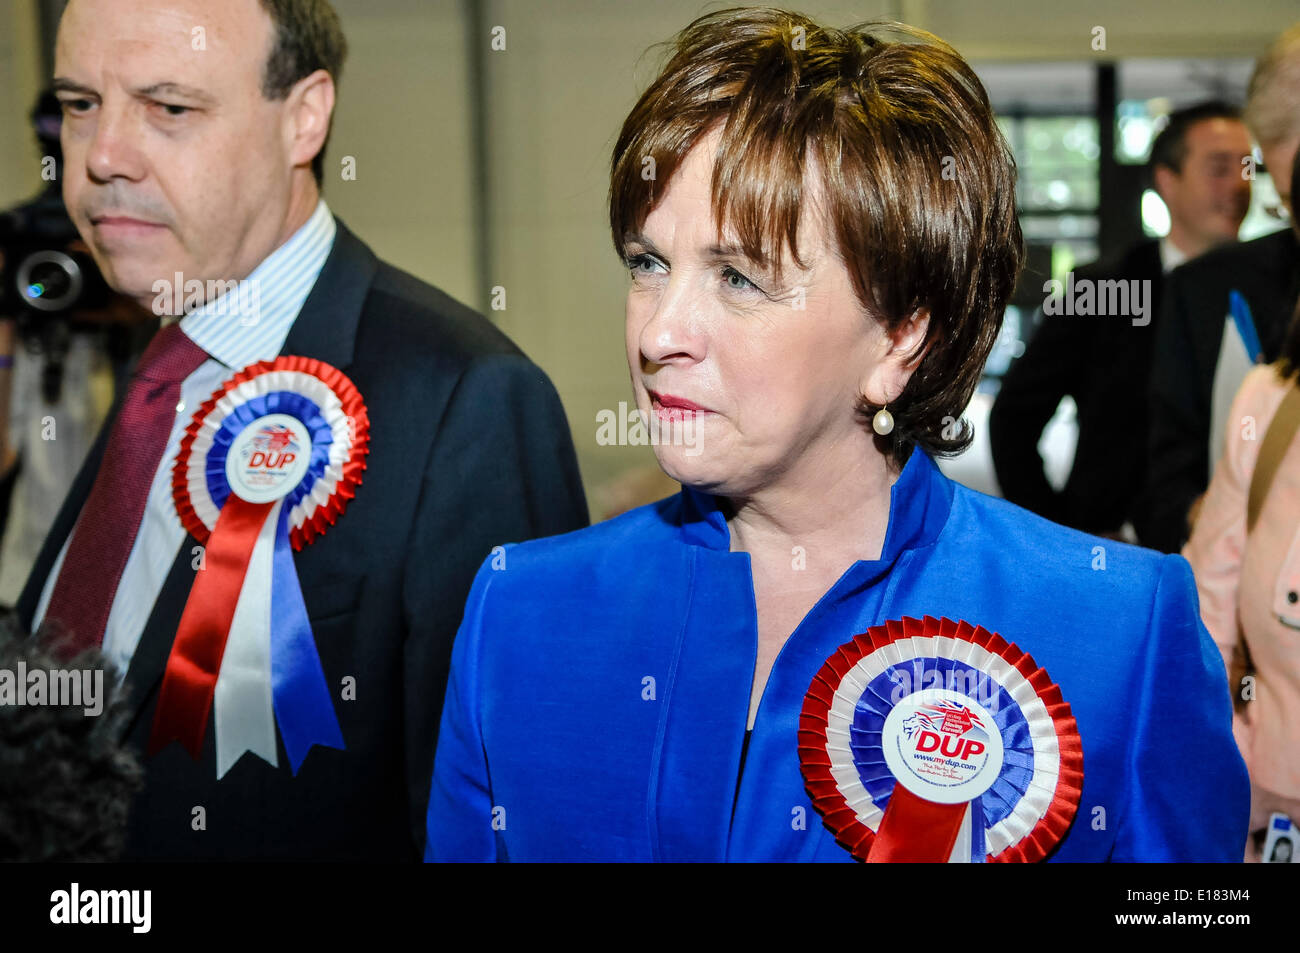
(124, 224)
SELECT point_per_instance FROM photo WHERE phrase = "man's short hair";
(1274, 90)
(919, 183)
(1170, 146)
(308, 37)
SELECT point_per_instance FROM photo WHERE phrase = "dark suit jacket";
(1103, 363)
(469, 448)
(1267, 273)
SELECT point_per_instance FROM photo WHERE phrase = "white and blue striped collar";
(249, 323)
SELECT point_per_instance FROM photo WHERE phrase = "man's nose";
(114, 150)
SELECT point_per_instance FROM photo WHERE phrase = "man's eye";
(173, 110)
(75, 105)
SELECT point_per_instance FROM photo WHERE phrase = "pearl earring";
(883, 422)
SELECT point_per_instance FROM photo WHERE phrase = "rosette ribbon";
(267, 464)
(929, 740)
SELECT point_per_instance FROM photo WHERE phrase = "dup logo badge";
(993, 773)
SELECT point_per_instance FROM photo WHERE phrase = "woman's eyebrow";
(643, 242)
(729, 250)
(734, 252)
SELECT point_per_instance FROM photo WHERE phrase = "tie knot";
(170, 357)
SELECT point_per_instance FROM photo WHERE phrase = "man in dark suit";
(1103, 359)
(206, 163)
(1194, 375)
(1265, 273)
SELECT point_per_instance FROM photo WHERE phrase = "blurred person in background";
(1104, 361)
(63, 350)
(1245, 554)
(1222, 313)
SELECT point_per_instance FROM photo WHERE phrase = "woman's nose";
(675, 332)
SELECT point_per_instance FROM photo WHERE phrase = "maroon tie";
(110, 519)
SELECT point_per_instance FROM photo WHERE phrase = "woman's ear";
(902, 350)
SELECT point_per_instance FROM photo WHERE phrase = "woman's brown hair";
(919, 182)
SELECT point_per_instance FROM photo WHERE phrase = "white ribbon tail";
(244, 716)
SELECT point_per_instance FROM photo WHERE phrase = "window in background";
(1057, 195)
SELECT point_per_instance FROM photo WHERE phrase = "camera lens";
(49, 281)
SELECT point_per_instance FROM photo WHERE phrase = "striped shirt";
(246, 324)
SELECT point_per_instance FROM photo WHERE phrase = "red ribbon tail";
(916, 831)
(185, 698)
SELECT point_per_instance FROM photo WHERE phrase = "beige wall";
(20, 80)
(1062, 29)
(403, 114)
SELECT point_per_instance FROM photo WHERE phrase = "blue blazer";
(601, 681)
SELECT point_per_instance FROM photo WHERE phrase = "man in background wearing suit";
(1222, 313)
(1103, 361)
(204, 160)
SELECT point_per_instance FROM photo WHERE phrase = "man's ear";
(307, 116)
(1165, 180)
(904, 347)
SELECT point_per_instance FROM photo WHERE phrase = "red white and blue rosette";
(933, 740)
(267, 464)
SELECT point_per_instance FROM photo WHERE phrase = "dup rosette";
(934, 740)
(266, 466)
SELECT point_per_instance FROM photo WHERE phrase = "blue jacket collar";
(919, 502)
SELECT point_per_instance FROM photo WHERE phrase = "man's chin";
(140, 286)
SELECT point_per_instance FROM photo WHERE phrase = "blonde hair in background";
(1273, 98)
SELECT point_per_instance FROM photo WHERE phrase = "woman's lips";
(669, 407)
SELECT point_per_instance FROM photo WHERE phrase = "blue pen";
(1245, 324)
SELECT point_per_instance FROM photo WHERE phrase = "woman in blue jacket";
(822, 648)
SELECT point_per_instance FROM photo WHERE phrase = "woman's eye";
(641, 264)
(737, 281)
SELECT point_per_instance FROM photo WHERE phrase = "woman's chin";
(697, 470)
(687, 465)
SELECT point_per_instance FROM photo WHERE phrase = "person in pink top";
(1249, 588)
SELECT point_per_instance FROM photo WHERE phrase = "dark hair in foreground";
(920, 184)
(308, 37)
(66, 782)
